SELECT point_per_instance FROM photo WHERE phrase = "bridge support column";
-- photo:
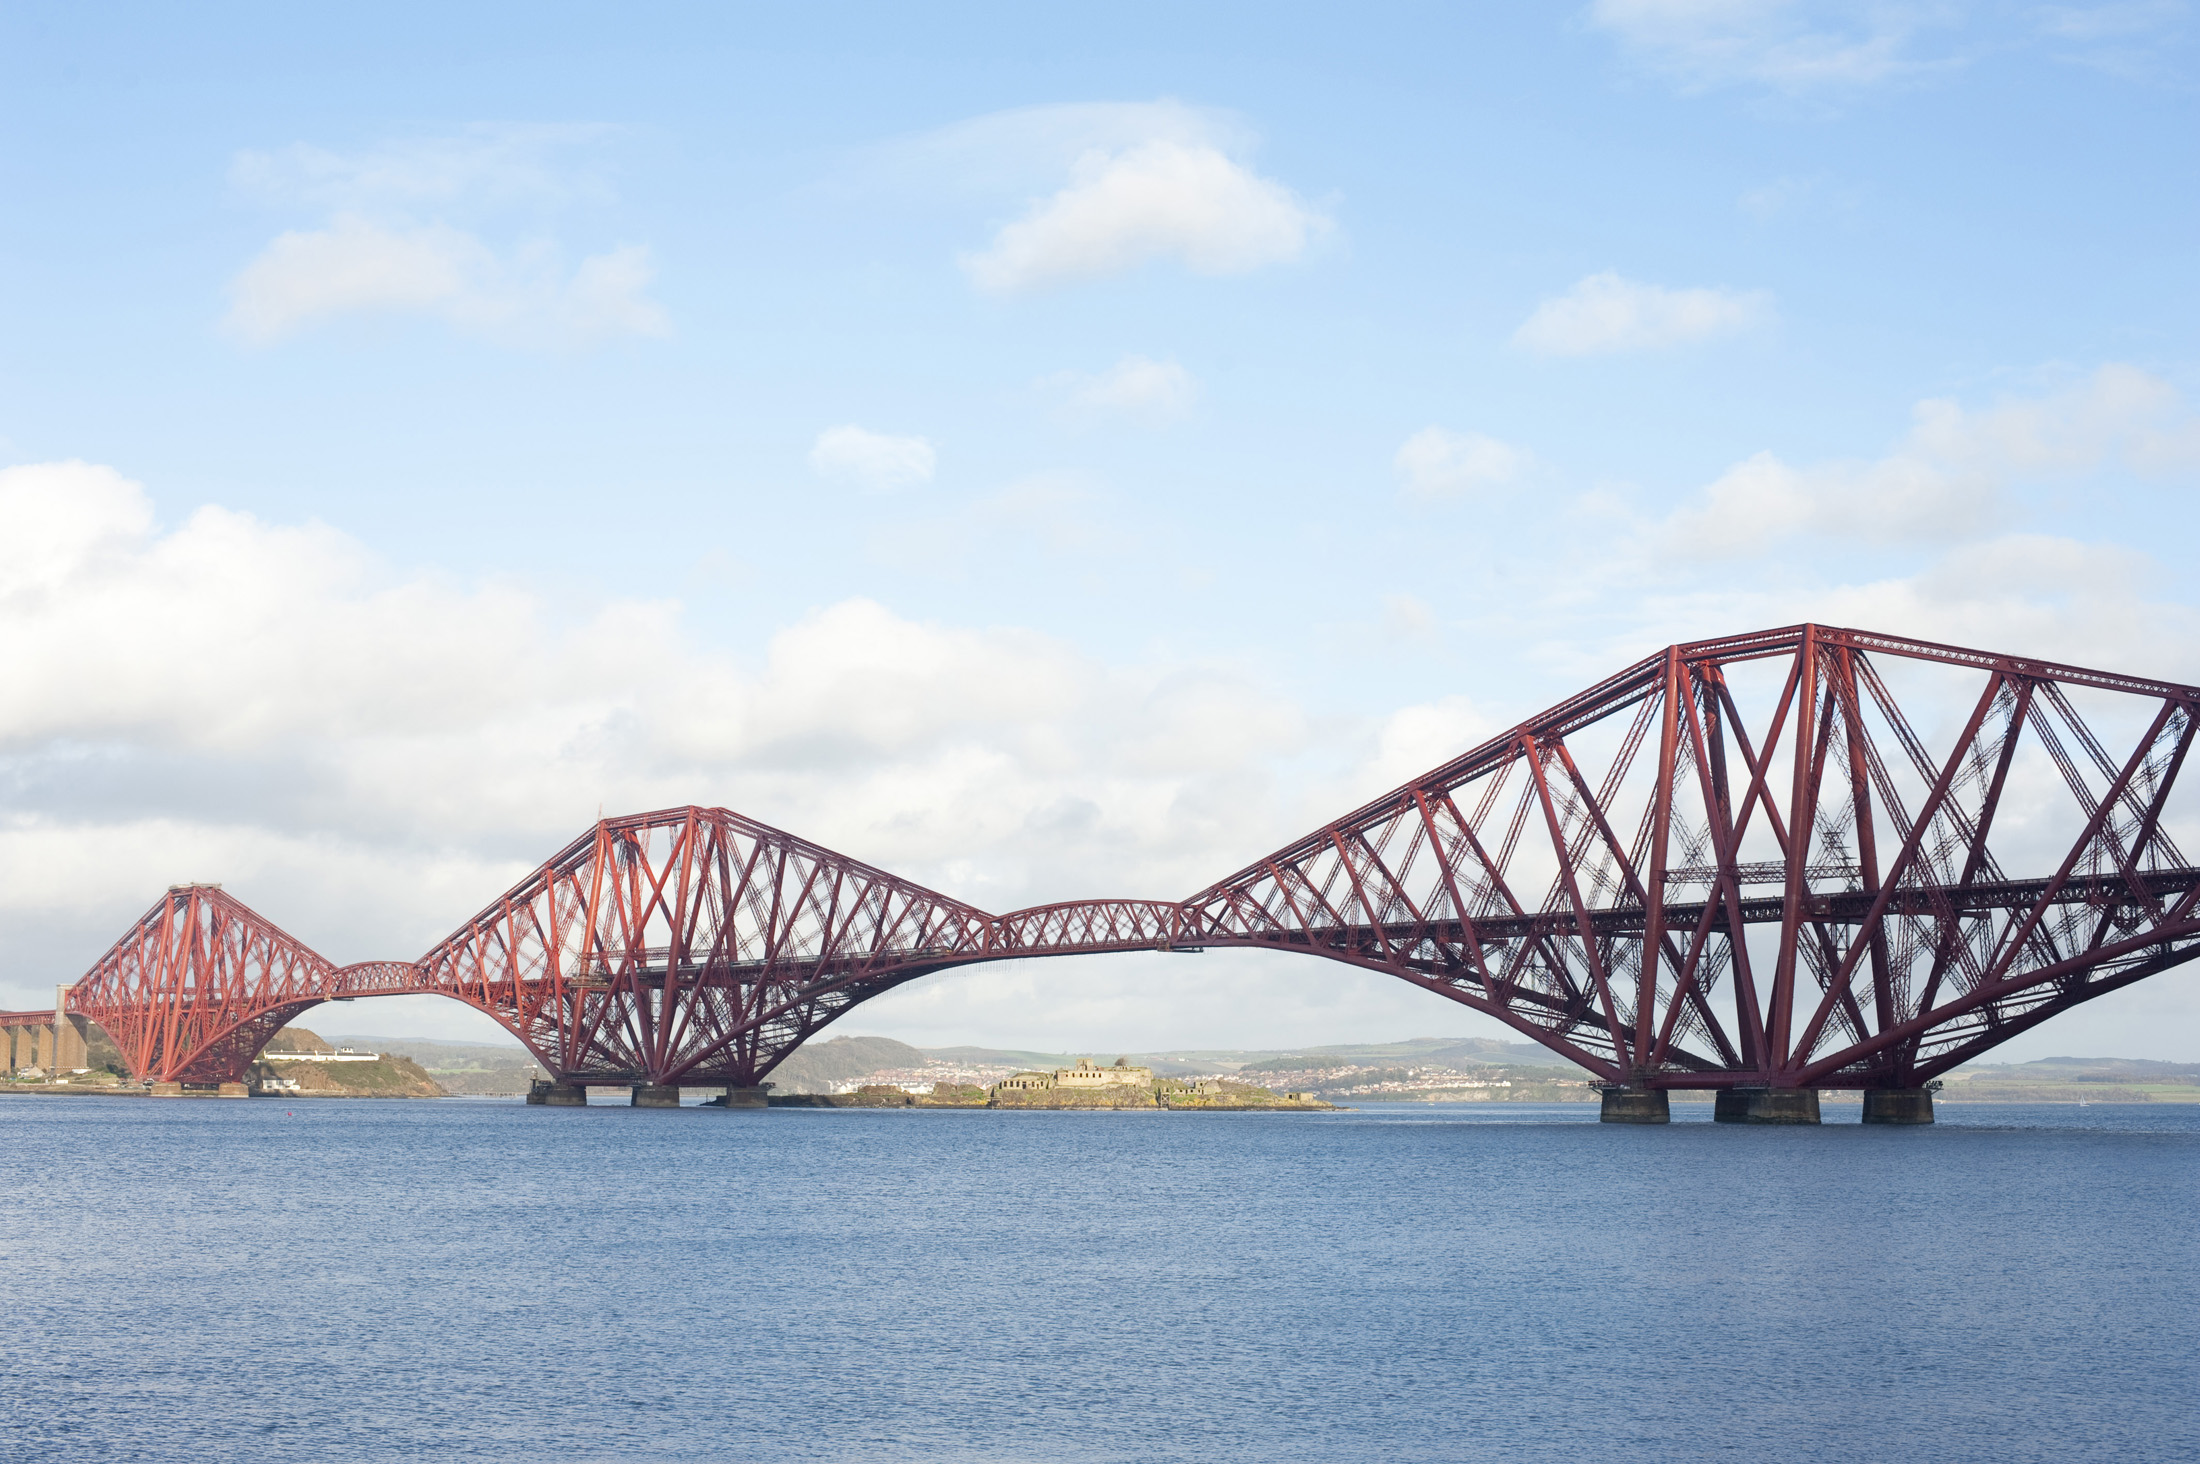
(557, 1095)
(1898, 1105)
(1766, 1105)
(656, 1095)
(1636, 1105)
(71, 1037)
(231, 1090)
(167, 1090)
(746, 1098)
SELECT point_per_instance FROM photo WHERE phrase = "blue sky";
(1045, 453)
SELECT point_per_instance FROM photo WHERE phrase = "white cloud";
(1790, 45)
(1134, 387)
(2057, 598)
(1946, 479)
(353, 266)
(871, 460)
(1605, 313)
(358, 267)
(481, 168)
(1027, 148)
(1435, 464)
(2118, 413)
(1414, 739)
(303, 690)
(378, 254)
(1161, 198)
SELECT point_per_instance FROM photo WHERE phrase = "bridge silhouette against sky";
(1737, 865)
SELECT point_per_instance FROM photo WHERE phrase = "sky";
(1044, 451)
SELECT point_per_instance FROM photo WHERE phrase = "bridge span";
(1738, 864)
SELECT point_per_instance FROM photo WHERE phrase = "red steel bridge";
(1802, 859)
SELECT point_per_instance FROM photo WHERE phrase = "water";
(337, 1281)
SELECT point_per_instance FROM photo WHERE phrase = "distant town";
(882, 1072)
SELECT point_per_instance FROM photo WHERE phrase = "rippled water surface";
(334, 1281)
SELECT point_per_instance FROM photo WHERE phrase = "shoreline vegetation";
(879, 1072)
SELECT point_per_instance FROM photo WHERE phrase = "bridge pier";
(557, 1095)
(1766, 1105)
(656, 1095)
(746, 1098)
(167, 1090)
(1898, 1105)
(1636, 1105)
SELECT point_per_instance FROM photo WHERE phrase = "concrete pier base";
(167, 1090)
(656, 1095)
(1898, 1105)
(1636, 1105)
(1766, 1105)
(232, 1090)
(746, 1098)
(558, 1095)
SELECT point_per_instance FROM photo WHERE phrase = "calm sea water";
(335, 1281)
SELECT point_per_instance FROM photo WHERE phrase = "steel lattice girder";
(1734, 863)
(1898, 946)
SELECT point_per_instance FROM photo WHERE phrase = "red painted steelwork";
(1605, 906)
(197, 987)
(1733, 864)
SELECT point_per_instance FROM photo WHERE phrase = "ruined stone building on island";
(1084, 1075)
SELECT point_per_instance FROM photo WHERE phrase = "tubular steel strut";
(1733, 864)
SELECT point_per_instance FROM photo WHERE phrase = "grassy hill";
(815, 1067)
(2074, 1080)
(1446, 1052)
(472, 1068)
(390, 1076)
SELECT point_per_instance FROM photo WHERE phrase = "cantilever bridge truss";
(1808, 857)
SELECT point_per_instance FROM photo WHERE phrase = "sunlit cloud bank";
(370, 754)
(1950, 476)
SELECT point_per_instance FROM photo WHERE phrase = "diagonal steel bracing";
(1738, 862)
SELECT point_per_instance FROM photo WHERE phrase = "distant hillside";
(1167, 1065)
(819, 1066)
(1451, 1052)
(299, 1039)
(474, 1068)
(392, 1076)
(815, 1067)
(2075, 1080)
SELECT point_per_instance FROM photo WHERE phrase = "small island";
(1086, 1086)
(297, 1063)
